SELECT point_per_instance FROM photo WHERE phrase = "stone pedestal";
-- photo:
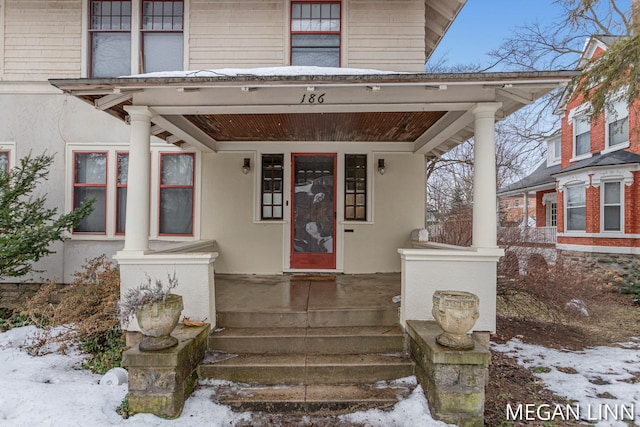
(453, 380)
(161, 381)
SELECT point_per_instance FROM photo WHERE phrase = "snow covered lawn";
(51, 391)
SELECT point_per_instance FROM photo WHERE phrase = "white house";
(308, 158)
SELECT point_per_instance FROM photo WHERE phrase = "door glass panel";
(313, 204)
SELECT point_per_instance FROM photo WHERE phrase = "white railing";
(527, 235)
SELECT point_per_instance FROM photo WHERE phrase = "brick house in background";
(516, 207)
(589, 186)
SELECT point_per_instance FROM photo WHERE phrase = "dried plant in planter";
(144, 295)
(157, 311)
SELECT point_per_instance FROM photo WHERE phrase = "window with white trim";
(103, 175)
(4, 160)
(90, 183)
(612, 206)
(581, 136)
(176, 193)
(617, 131)
(272, 186)
(576, 208)
(355, 194)
(315, 33)
(552, 214)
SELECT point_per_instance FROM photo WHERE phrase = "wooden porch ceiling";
(367, 127)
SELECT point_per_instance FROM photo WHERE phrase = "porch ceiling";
(372, 127)
(420, 113)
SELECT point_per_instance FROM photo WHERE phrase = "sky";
(481, 25)
(51, 391)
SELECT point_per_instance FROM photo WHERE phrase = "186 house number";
(312, 98)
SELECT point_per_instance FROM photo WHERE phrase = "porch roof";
(218, 110)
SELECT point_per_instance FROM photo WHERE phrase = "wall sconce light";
(381, 167)
(246, 166)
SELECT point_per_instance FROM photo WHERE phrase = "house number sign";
(312, 98)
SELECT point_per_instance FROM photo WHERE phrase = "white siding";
(42, 39)
(386, 35)
(237, 33)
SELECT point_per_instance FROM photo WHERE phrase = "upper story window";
(355, 194)
(617, 131)
(581, 136)
(162, 40)
(110, 38)
(315, 33)
(576, 208)
(554, 151)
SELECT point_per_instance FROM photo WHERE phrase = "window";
(162, 41)
(557, 149)
(612, 206)
(272, 174)
(315, 34)
(506, 205)
(90, 182)
(552, 220)
(582, 136)
(617, 125)
(110, 38)
(355, 195)
(576, 208)
(121, 191)
(517, 203)
(176, 193)
(4, 160)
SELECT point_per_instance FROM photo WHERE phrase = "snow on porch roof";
(213, 109)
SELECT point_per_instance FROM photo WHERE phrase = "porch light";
(246, 166)
(381, 167)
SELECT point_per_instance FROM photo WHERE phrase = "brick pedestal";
(161, 381)
(453, 380)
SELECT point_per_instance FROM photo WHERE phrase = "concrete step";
(295, 369)
(311, 399)
(380, 316)
(334, 340)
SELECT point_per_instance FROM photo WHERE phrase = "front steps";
(326, 362)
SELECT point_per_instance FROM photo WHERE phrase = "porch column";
(138, 188)
(485, 224)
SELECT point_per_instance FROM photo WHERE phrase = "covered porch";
(233, 119)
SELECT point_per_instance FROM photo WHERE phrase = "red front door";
(313, 228)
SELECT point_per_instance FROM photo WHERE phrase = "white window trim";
(609, 118)
(575, 114)
(622, 201)
(112, 149)
(565, 209)
(256, 169)
(554, 158)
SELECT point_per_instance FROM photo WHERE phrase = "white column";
(138, 188)
(485, 225)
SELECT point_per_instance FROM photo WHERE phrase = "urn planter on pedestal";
(157, 320)
(456, 312)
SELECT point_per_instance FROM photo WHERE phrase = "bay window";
(576, 208)
(315, 33)
(612, 206)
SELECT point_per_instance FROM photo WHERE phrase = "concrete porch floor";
(307, 300)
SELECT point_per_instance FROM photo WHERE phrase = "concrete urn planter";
(157, 320)
(456, 312)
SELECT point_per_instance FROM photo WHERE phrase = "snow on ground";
(52, 391)
(603, 381)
